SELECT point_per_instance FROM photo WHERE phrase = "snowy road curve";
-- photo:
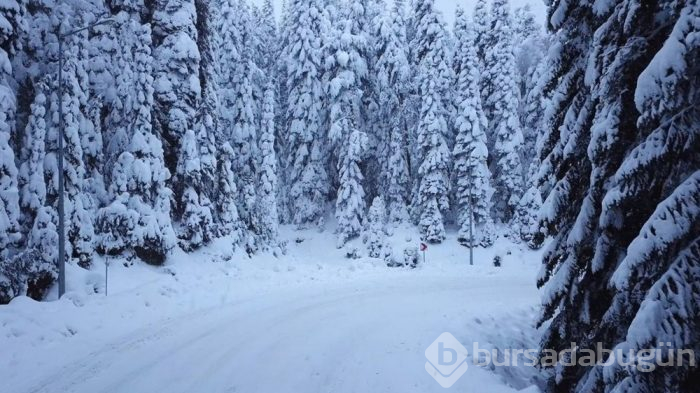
(367, 336)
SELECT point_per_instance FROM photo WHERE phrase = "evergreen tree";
(195, 214)
(230, 55)
(502, 112)
(138, 219)
(31, 175)
(366, 16)
(32, 272)
(526, 220)
(532, 111)
(116, 222)
(350, 206)
(307, 175)
(267, 181)
(434, 128)
(483, 39)
(473, 191)
(392, 84)
(44, 238)
(375, 231)
(243, 108)
(118, 75)
(530, 46)
(269, 48)
(207, 123)
(281, 119)
(9, 194)
(229, 222)
(346, 68)
(90, 133)
(176, 72)
(79, 220)
(622, 150)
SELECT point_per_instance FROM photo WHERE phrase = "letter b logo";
(441, 355)
(446, 360)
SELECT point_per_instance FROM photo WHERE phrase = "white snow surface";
(308, 321)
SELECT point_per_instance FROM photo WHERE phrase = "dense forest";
(188, 121)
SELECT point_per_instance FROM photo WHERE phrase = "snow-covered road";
(363, 336)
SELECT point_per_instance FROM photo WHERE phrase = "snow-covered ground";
(309, 321)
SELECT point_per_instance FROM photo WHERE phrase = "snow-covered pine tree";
(530, 44)
(434, 128)
(268, 37)
(90, 106)
(433, 200)
(375, 229)
(501, 110)
(280, 72)
(392, 73)
(346, 69)
(106, 46)
(413, 101)
(229, 53)
(350, 206)
(533, 107)
(307, 175)
(195, 229)
(267, 179)
(181, 120)
(227, 211)
(33, 271)
(139, 217)
(420, 10)
(530, 47)
(241, 101)
(472, 178)
(273, 70)
(113, 69)
(567, 123)
(12, 23)
(176, 72)
(116, 43)
(30, 272)
(532, 115)
(432, 37)
(483, 38)
(93, 148)
(9, 195)
(79, 220)
(206, 142)
(115, 222)
(207, 123)
(526, 220)
(9, 192)
(31, 174)
(623, 267)
(367, 15)
(40, 20)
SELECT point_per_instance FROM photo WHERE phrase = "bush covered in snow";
(26, 274)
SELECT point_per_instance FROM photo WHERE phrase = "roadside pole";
(471, 232)
(106, 274)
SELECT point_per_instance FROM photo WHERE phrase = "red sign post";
(423, 247)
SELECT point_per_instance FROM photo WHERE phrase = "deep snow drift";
(308, 321)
